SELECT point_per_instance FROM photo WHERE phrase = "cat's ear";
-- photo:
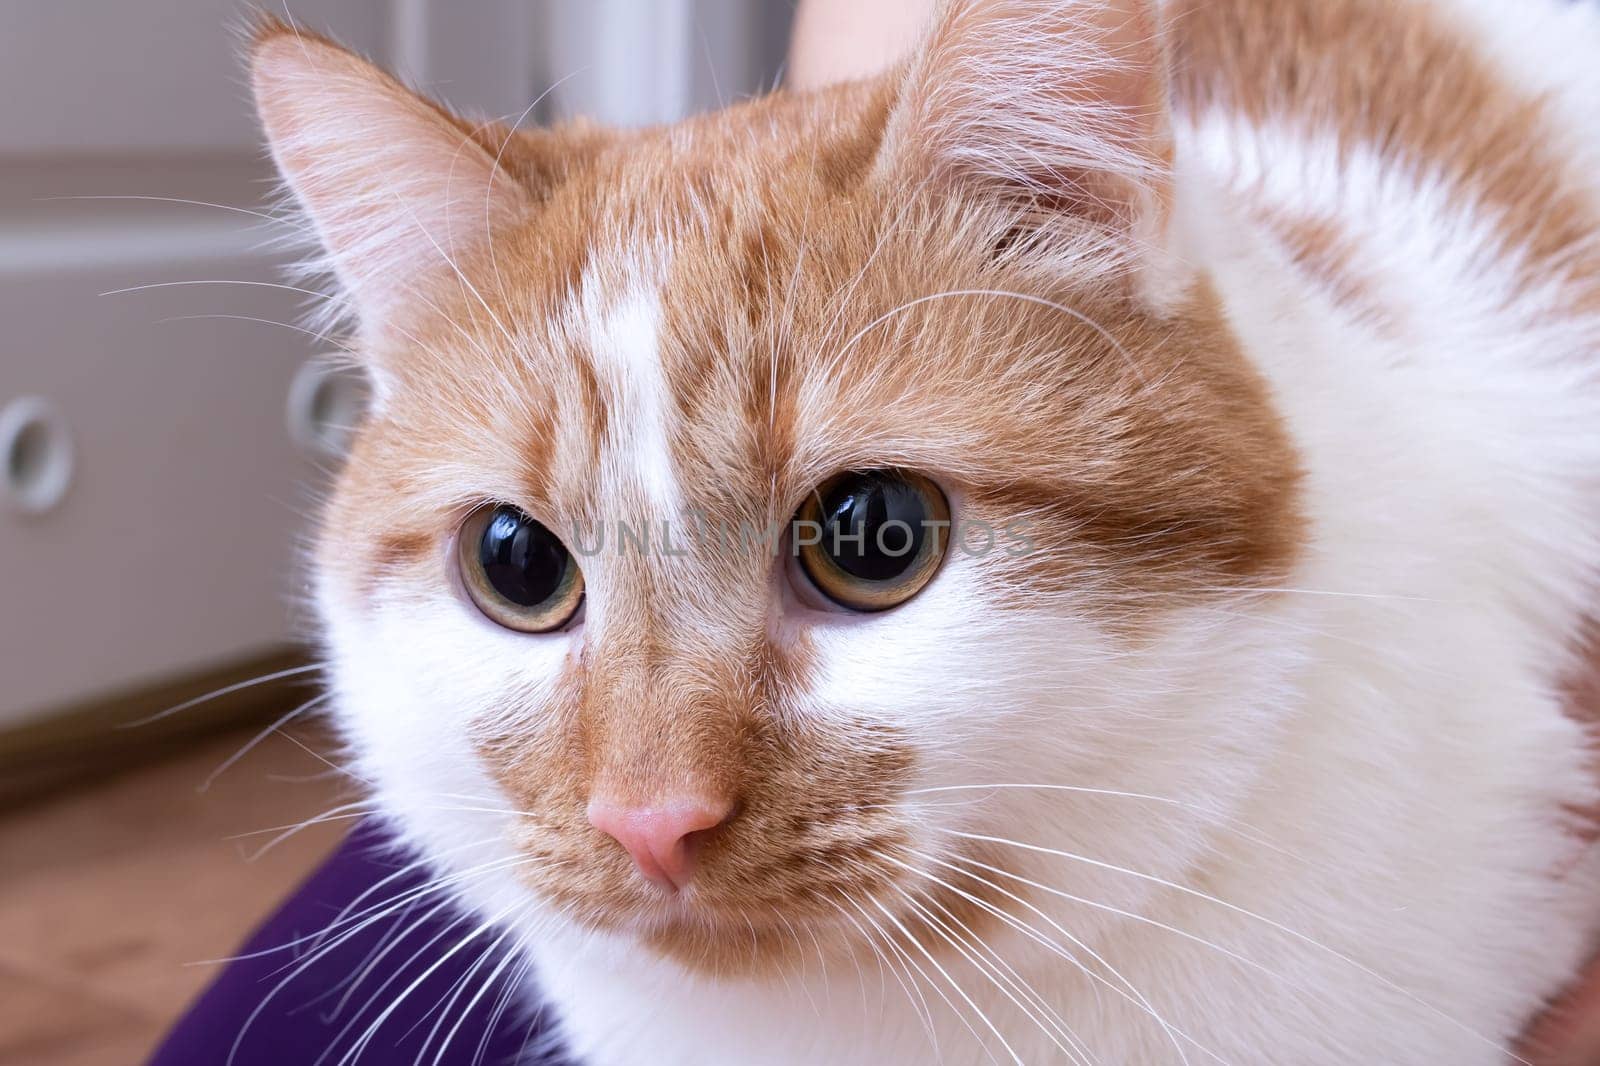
(395, 187)
(1057, 108)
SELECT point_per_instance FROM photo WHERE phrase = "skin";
(837, 40)
(841, 40)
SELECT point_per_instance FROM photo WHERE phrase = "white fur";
(1545, 47)
(621, 323)
(1351, 781)
(1417, 751)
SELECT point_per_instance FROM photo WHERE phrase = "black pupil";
(873, 525)
(523, 560)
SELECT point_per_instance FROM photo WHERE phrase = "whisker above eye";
(494, 171)
(1398, 597)
(265, 216)
(320, 336)
(221, 281)
(1024, 297)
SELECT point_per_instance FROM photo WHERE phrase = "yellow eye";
(871, 540)
(516, 571)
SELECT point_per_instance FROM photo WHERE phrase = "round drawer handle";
(36, 455)
(326, 401)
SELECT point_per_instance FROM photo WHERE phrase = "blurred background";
(164, 430)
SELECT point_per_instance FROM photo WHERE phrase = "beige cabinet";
(156, 465)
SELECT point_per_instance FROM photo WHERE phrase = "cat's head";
(560, 575)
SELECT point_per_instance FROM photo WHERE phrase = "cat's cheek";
(417, 675)
(899, 666)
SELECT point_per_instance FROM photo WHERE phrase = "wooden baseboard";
(120, 732)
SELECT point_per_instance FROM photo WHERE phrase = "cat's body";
(1341, 784)
(1403, 463)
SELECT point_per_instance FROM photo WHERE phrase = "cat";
(1267, 333)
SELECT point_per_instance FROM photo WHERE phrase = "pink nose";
(662, 838)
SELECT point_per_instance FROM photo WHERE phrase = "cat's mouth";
(721, 905)
(744, 916)
(727, 877)
(750, 904)
(717, 938)
(716, 935)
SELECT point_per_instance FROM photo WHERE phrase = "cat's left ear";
(1056, 109)
(396, 187)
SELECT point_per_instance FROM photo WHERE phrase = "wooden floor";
(110, 894)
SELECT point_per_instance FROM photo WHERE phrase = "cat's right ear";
(396, 188)
(1057, 110)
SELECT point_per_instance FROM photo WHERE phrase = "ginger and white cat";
(1269, 328)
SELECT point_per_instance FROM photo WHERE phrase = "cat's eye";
(871, 540)
(516, 571)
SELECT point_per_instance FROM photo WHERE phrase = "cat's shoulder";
(1349, 60)
(1546, 49)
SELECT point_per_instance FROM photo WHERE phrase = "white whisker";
(1132, 994)
(1245, 912)
(954, 985)
(253, 742)
(1032, 1006)
(226, 690)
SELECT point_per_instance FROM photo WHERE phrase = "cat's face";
(559, 571)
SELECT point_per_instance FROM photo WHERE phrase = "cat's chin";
(747, 946)
(711, 939)
(730, 947)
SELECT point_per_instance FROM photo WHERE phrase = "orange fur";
(1154, 464)
(1136, 438)
(1397, 79)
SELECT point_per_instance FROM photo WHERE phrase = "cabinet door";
(171, 546)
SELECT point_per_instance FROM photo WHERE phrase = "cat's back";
(1545, 48)
(1387, 140)
(1409, 65)
(1436, 81)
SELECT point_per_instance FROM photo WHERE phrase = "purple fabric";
(312, 1002)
